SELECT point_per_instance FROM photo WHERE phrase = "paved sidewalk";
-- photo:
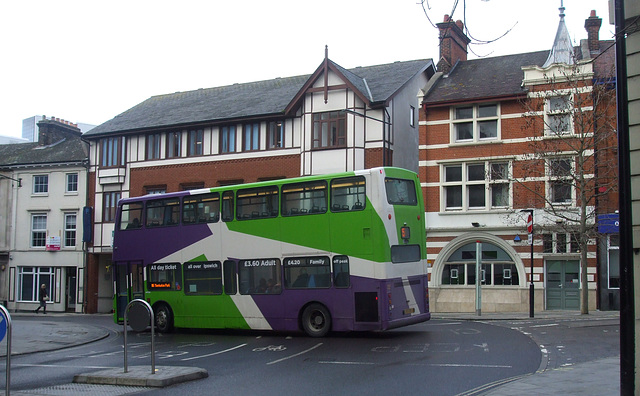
(599, 377)
(31, 336)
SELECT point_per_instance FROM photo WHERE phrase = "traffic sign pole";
(6, 330)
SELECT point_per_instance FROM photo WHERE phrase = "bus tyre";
(316, 320)
(164, 318)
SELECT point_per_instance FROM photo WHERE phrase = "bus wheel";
(164, 318)
(316, 320)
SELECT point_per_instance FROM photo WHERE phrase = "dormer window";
(475, 123)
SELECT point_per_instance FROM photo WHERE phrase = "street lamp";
(19, 180)
(530, 231)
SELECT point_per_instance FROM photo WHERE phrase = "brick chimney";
(592, 24)
(453, 43)
(54, 130)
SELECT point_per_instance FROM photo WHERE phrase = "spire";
(562, 50)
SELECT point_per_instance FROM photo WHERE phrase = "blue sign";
(3, 327)
(609, 223)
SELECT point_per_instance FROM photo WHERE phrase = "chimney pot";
(593, 14)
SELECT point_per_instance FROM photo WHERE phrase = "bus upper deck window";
(131, 216)
(348, 193)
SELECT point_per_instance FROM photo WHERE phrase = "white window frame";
(40, 185)
(488, 182)
(475, 120)
(554, 109)
(552, 179)
(612, 247)
(70, 228)
(412, 116)
(70, 183)
(35, 272)
(35, 230)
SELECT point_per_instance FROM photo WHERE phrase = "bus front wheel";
(164, 318)
(316, 320)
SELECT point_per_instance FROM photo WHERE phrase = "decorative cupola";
(562, 50)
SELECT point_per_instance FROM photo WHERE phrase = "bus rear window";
(405, 253)
(400, 191)
(203, 278)
(165, 276)
(201, 209)
(256, 203)
(131, 216)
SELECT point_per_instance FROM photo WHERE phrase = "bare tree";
(570, 172)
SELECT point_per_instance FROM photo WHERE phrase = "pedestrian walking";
(44, 297)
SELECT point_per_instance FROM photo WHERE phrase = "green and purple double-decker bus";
(338, 252)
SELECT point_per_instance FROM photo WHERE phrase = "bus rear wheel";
(164, 318)
(316, 320)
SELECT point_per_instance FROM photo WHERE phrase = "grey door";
(563, 284)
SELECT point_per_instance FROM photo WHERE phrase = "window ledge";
(475, 211)
(475, 142)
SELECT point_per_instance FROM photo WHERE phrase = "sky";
(88, 61)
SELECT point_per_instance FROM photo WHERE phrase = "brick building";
(331, 120)
(498, 135)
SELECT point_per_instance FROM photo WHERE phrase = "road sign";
(3, 327)
(530, 224)
(530, 239)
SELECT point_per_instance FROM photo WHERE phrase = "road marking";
(546, 325)
(423, 364)
(59, 366)
(215, 353)
(347, 363)
(294, 355)
(464, 365)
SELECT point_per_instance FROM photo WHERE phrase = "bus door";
(129, 284)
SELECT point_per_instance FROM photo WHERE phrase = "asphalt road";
(443, 357)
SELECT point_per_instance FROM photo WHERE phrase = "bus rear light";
(389, 216)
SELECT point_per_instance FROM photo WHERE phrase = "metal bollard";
(140, 324)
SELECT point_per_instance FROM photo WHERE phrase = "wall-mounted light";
(19, 180)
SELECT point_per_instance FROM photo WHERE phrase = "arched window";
(498, 268)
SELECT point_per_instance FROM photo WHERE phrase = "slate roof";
(475, 79)
(70, 150)
(254, 99)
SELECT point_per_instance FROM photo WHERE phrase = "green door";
(563, 284)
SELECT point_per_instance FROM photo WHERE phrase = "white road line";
(468, 365)
(546, 325)
(297, 354)
(424, 364)
(347, 363)
(59, 366)
(215, 353)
